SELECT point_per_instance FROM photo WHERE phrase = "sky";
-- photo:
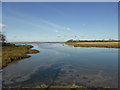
(59, 21)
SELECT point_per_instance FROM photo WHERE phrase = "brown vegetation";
(106, 44)
(59, 87)
(14, 52)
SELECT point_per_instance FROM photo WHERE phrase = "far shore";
(38, 42)
(104, 44)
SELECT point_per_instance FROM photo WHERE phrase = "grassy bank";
(11, 53)
(70, 87)
(59, 87)
(107, 44)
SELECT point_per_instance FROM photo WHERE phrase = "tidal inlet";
(65, 45)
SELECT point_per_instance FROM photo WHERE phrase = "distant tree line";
(110, 40)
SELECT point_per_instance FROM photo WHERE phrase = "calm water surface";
(63, 65)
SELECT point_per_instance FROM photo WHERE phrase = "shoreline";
(14, 53)
(99, 44)
(95, 44)
(17, 52)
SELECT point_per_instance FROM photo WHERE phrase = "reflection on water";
(64, 65)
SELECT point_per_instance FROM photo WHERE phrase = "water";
(64, 65)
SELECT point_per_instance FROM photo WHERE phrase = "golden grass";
(59, 87)
(95, 44)
(69, 87)
(15, 52)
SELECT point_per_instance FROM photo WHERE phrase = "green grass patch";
(12, 53)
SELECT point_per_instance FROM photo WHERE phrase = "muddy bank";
(16, 52)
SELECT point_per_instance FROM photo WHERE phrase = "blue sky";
(60, 21)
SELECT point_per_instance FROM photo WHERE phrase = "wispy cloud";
(3, 26)
(40, 22)
(41, 25)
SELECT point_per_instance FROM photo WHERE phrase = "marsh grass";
(95, 44)
(12, 53)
